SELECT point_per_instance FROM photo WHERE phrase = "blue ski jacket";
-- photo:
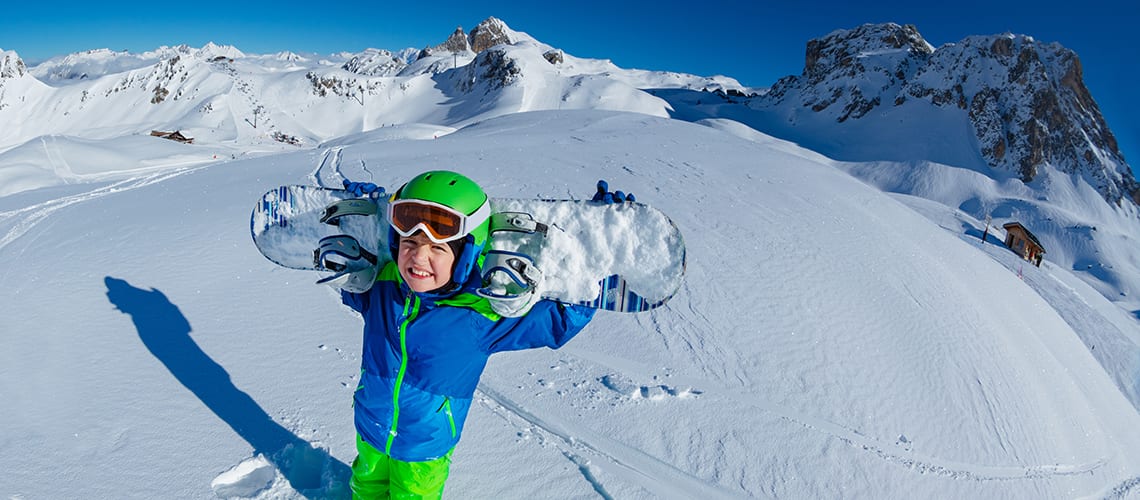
(423, 356)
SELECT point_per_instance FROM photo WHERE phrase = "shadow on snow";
(166, 333)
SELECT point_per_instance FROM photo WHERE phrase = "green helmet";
(458, 193)
(452, 190)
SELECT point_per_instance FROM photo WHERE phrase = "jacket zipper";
(411, 308)
(450, 418)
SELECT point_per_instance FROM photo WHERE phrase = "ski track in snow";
(658, 477)
(590, 451)
(55, 159)
(329, 166)
(716, 396)
(22, 220)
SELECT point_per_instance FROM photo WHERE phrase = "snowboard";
(624, 257)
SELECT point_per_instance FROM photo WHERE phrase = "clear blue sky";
(756, 41)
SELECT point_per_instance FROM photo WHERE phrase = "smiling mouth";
(417, 273)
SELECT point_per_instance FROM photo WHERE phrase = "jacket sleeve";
(359, 301)
(354, 300)
(548, 324)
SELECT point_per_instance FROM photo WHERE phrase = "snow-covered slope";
(999, 126)
(221, 96)
(829, 342)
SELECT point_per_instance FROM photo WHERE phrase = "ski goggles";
(440, 222)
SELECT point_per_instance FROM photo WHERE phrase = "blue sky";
(756, 42)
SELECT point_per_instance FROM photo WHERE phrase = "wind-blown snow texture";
(829, 341)
(834, 337)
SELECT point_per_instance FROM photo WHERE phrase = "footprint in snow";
(627, 388)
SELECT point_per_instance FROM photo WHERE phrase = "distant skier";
(427, 335)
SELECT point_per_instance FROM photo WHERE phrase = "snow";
(828, 340)
(842, 330)
(585, 245)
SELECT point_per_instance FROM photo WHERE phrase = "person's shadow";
(166, 333)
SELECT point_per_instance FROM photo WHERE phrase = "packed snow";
(829, 341)
(845, 329)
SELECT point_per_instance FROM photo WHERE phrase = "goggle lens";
(441, 223)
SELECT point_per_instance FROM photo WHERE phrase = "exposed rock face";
(495, 67)
(375, 62)
(487, 34)
(11, 66)
(553, 56)
(1026, 101)
(1029, 106)
(457, 42)
(853, 70)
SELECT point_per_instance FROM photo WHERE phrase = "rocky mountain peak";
(489, 33)
(457, 42)
(485, 35)
(1029, 107)
(11, 66)
(844, 49)
(851, 71)
(375, 62)
(1026, 101)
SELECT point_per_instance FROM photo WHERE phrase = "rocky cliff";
(11, 66)
(1025, 100)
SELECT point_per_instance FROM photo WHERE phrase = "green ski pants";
(378, 476)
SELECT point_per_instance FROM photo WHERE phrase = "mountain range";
(1005, 106)
(1024, 102)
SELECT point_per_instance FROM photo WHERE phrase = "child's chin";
(420, 284)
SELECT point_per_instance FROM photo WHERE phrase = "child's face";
(424, 264)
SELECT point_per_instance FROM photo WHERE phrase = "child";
(427, 337)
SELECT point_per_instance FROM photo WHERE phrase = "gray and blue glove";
(354, 268)
(605, 196)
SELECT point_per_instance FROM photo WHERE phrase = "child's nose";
(422, 252)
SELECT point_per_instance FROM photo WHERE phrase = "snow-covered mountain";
(218, 94)
(1007, 107)
(11, 66)
(1024, 101)
(1003, 111)
(843, 331)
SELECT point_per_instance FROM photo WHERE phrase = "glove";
(363, 189)
(511, 283)
(605, 196)
(354, 268)
(517, 306)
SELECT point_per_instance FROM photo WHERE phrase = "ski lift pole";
(986, 233)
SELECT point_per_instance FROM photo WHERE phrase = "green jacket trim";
(465, 300)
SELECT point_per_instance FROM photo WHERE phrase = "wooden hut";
(174, 136)
(1023, 242)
